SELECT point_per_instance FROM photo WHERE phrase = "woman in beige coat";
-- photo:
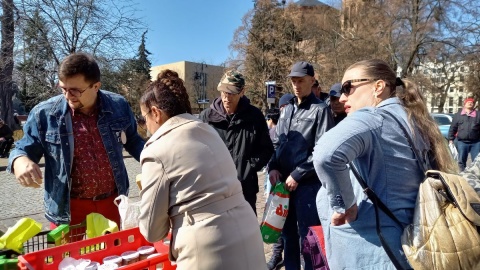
(190, 186)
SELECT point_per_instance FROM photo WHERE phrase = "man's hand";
(291, 184)
(274, 176)
(27, 172)
(349, 216)
(451, 141)
(2, 139)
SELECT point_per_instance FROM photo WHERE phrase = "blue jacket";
(298, 129)
(48, 133)
(379, 150)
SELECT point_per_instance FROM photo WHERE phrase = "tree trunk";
(6, 62)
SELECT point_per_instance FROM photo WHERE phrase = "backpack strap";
(377, 203)
(410, 141)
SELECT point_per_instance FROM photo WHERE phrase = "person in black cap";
(338, 110)
(272, 120)
(284, 100)
(317, 91)
(302, 122)
(243, 128)
(6, 139)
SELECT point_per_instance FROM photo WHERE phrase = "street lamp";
(202, 78)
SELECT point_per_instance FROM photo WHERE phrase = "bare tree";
(107, 29)
(100, 27)
(6, 61)
(267, 45)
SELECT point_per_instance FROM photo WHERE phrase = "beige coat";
(190, 185)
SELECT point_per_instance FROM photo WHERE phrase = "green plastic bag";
(275, 214)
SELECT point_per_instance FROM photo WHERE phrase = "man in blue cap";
(338, 110)
(302, 122)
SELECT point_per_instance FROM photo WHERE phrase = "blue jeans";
(464, 149)
(302, 214)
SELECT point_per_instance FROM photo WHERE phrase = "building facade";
(200, 79)
(444, 83)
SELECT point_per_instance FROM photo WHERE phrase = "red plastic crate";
(96, 249)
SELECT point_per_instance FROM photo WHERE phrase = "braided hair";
(168, 93)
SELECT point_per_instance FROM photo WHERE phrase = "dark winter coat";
(246, 136)
(466, 128)
(6, 131)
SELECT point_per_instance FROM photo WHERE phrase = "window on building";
(450, 110)
(462, 69)
(450, 102)
(451, 90)
(460, 89)
(460, 101)
(462, 78)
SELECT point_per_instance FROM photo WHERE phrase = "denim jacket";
(48, 132)
(381, 153)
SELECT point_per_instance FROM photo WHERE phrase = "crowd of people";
(200, 175)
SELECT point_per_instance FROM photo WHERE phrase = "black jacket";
(246, 136)
(297, 131)
(6, 131)
(466, 127)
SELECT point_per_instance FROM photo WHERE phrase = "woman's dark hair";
(167, 93)
(79, 64)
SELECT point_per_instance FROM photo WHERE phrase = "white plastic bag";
(453, 150)
(129, 212)
(275, 214)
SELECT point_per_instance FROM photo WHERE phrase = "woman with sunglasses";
(371, 141)
(190, 186)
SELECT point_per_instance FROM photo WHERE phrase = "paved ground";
(17, 202)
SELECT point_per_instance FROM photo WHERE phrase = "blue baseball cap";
(285, 99)
(301, 69)
(335, 90)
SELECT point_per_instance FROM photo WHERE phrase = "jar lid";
(108, 266)
(145, 250)
(112, 259)
(153, 255)
(92, 266)
(129, 255)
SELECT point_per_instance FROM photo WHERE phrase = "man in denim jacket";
(81, 134)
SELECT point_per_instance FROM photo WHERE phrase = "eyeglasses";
(227, 94)
(74, 91)
(143, 118)
(347, 85)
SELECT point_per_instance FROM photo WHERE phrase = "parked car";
(443, 121)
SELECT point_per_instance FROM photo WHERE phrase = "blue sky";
(191, 30)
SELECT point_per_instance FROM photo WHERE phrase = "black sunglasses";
(347, 85)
